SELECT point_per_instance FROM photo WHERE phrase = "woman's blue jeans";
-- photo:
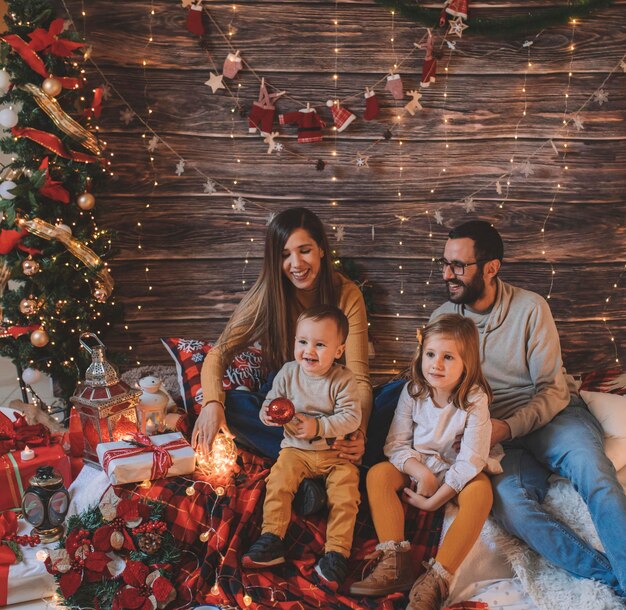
(572, 446)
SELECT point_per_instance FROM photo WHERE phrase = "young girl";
(438, 446)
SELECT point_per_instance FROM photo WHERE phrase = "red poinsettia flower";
(119, 515)
(144, 590)
(77, 562)
(48, 40)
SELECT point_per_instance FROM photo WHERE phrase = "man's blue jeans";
(572, 446)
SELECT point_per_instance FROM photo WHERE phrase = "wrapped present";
(15, 471)
(146, 457)
(25, 577)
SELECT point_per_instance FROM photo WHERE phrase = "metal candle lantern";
(45, 504)
(106, 405)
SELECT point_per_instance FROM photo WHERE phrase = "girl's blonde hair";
(464, 333)
(266, 313)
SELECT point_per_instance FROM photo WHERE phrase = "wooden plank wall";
(195, 246)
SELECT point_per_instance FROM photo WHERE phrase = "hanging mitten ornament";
(429, 69)
(262, 114)
(232, 65)
(394, 86)
(456, 8)
(342, 117)
(372, 109)
(194, 19)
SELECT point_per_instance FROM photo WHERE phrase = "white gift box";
(138, 467)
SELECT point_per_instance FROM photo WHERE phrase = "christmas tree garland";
(116, 555)
(532, 19)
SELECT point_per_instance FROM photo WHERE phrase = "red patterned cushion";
(189, 354)
(611, 381)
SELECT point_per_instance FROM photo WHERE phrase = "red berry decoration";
(281, 410)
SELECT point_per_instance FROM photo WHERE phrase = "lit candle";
(151, 427)
(27, 454)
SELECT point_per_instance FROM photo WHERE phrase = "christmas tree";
(51, 246)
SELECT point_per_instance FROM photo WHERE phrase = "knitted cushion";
(189, 354)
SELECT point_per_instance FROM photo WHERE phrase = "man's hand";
(500, 431)
(352, 447)
(305, 426)
(210, 421)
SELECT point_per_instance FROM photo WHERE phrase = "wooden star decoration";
(457, 26)
(215, 82)
(361, 161)
(414, 104)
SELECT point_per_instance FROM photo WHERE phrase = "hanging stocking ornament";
(342, 117)
(394, 86)
(455, 8)
(232, 65)
(372, 109)
(429, 69)
(194, 20)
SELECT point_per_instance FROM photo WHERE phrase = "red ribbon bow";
(53, 143)
(161, 458)
(53, 189)
(35, 62)
(15, 435)
(49, 40)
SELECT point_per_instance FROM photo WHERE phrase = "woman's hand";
(352, 447)
(210, 421)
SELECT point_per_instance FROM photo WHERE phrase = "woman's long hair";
(464, 333)
(266, 312)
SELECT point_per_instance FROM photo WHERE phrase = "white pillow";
(610, 411)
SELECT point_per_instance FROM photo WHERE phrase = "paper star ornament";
(126, 116)
(526, 169)
(457, 26)
(106, 91)
(340, 233)
(578, 122)
(438, 216)
(215, 82)
(153, 143)
(209, 186)
(180, 167)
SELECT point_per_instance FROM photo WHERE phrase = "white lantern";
(152, 407)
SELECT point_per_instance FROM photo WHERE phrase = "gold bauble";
(30, 266)
(28, 307)
(86, 201)
(39, 338)
(52, 86)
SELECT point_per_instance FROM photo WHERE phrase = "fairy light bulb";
(190, 491)
(215, 589)
(247, 600)
(204, 536)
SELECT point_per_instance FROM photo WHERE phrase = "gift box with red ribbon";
(142, 458)
(15, 472)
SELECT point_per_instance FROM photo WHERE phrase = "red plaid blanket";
(212, 571)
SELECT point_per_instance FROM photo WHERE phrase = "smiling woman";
(297, 274)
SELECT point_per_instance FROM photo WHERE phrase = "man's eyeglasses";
(456, 267)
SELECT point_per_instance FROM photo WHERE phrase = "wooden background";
(195, 246)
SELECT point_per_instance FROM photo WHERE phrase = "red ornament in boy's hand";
(281, 410)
